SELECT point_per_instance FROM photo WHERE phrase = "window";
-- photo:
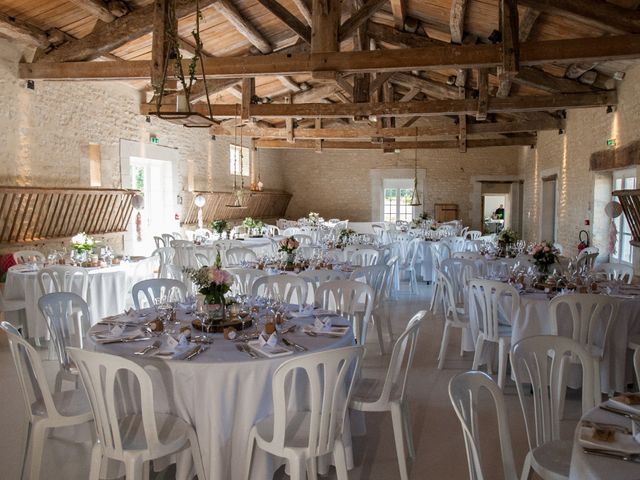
(623, 180)
(234, 160)
(397, 198)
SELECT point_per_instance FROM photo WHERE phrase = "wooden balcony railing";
(630, 201)
(30, 214)
(257, 205)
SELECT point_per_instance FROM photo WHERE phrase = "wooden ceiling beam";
(248, 92)
(512, 104)
(390, 35)
(536, 78)
(526, 22)
(398, 10)
(431, 58)
(164, 21)
(16, 29)
(305, 9)
(456, 20)
(431, 88)
(483, 94)
(509, 27)
(361, 16)
(527, 140)
(229, 11)
(289, 83)
(99, 9)
(106, 37)
(595, 12)
(290, 20)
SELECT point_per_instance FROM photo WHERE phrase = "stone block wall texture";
(568, 155)
(336, 183)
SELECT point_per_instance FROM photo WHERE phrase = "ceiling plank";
(456, 20)
(246, 28)
(98, 9)
(304, 9)
(513, 104)
(365, 132)
(431, 58)
(22, 31)
(528, 140)
(106, 37)
(362, 15)
(398, 10)
(595, 12)
(290, 20)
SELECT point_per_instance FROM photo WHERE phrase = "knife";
(196, 352)
(619, 411)
(123, 340)
(294, 345)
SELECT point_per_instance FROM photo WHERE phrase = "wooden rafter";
(513, 104)
(526, 22)
(483, 94)
(431, 88)
(23, 31)
(305, 9)
(431, 58)
(106, 37)
(290, 20)
(456, 20)
(509, 27)
(536, 78)
(358, 18)
(244, 26)
(386, 34)
(105, 12)
(398, 10)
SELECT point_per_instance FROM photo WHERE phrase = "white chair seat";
(368, 390)
(552, 460)
(68, 403)
(173, 432)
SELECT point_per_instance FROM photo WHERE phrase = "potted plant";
(544, 255)
(213, 283)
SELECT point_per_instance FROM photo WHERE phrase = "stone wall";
(337, 183)
(568, 156)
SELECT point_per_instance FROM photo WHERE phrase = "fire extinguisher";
(584, 242)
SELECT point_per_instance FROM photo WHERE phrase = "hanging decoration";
(199, 201)
(613, 210)
(238, 191)
(415, 196)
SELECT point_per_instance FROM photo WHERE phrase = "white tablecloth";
(424, 261)
(108, 293)
(592, 467)
(222, 393)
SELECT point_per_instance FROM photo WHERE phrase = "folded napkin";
(268, 340)
(323, 324)
(175, 349)
(268, 350)
(116, 333)
(333, 331)
(608, 439)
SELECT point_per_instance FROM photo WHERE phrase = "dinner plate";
(267, 351)
(622, 442)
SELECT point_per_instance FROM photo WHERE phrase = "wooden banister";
(630, 201)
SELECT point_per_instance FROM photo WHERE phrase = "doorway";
(493, 212)
(548, 210)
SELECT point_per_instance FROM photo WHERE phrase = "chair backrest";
(539, 361)
(25, 256)
(288, 288)
(244, 279)
(154, 288)
(439, 251)
(184, 253)
(315, 278)
(31, 375)
(288, 232)
(449, 298)
(457, 244)
(374, 276)
(412, 251)
(63, 278)
(489, 301)
(168, 238)
(395, 381)
(68, 320)
(460, 271)
(473, 234)
(330, 378)
(636, 365)
(239, 255)
(101, 374)
(272, 229)
(617, 271)
(586, 259)
(165, 254)
(304, 239)
(365, 257)
(202, 233)
(465, 391)
(160, 243)
(589, 316)
(346, 297)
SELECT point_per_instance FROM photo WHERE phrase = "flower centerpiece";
(213, 282)
(315, 219)
(289, 246)
(544, 255)
(219, 226)
(252, 225)
(82, 244)
(506, 237)
(345, 233)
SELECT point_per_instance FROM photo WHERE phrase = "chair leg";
(340, 460)
(96, 462)
(526, 468)
(390, 329)
(197, 457)
(297, 468)
(249, 457)
(406, 417)
(27, 441)
(133, 468)
(378, 322)
(503, 358)
(37, 446)
(435, 299)
(477, 356)
(597, 385)
(398, 433)
(562, 387)
(444, 344)
(312, 468)
(58, 383)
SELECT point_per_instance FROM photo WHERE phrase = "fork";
(241, 347)
(626, 457)
(154, 346)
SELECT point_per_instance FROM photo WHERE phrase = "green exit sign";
(154, 139)
(611, 142)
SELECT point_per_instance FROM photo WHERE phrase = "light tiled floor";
(438, 438)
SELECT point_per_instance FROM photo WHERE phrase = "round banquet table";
(223, 393)
(424, 262)
(593, 467)
(108, 292)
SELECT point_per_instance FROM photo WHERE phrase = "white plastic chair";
(133, 439)
(371, 395)
(45, 409)
(165, 256)
(586, 259)
(488, 297)
(244, 279)
(23, 256)
(10, 305)
(409, 265)
(365, 257)
(472, 235)
(159, 242)
(63, 278)
(288, 288)
(374, 276)
(168, 238)
(291, 231)
(237, 255)
(315, 278)
(453, 318)
(465, 393)
(617, 271)
(304, 239)
(184, 255)
(461, 271)
(68, 321)
(636, 365)
(301, 436)
(271, 229)
(156, 288)
(589, 317)
(539, 361)
(348, 297)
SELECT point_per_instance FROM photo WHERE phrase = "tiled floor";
(438, 438)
